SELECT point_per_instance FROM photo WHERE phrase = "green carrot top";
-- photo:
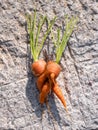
(35, 46)
(60, 44)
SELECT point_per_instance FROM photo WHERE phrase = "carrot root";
(59, 94)
(40, 81)
(47, 82)
(44, 92)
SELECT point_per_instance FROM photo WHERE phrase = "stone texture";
(19, 105)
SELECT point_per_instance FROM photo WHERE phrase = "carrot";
(38, 67)
(44, 92)
(41, 80)
(47, 81)
(52, 69)
(48, 72)
(59, 94)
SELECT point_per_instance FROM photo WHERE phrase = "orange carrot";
(47, 81)
(44, 92)
(51, 69)
(41, 80)
(59, 94)
(38, 67)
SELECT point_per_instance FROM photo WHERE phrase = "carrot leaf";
(60, 44)
(34, 33)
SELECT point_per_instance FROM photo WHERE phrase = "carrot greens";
(60, 44)
(35, 46)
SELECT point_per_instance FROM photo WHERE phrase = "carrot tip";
(66, 109)
(69, 115)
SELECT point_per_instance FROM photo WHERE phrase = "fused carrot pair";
(46, 80)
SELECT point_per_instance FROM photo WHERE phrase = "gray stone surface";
(19, 105)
